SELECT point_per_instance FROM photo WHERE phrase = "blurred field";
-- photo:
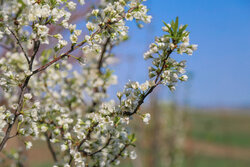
(212, 138)
(230, 129)
(219, 138)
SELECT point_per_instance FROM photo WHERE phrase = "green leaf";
(182, 29)
(57, 66)
(175, 27)
(170, 29)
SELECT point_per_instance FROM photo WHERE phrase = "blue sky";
(220, 68)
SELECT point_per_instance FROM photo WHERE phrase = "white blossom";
(28, 145)
(28, 96)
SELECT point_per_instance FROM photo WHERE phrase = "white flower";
(37, 104)
(165, 29)
(67, 135)
(44, 128)
(27, 96)
(129, 16)
(95, 12)
(62, 43)
(194, 47)
(58, 36)
(64, 147)
(172, 88)
(14, 106)
(20, 118)
(82, 2)
(90, 26)
(28, 145)
(71, 5)
(144, 86)
(147, 55)
(133, 155)
(72, 27)
(146, 118)
(119, 94)
(45, 11)
(135, 85)
(73, 38)
(185, 39)
(28, 72)
(42, 30)
(184, 78)
(78, 32)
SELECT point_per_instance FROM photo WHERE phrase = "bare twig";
(53, 153)
(19, 43)
(36, 48)
(100, 62)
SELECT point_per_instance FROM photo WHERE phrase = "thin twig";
(105, 146)
(19, 43)
(100, 62)
(74, 47)
(119, 154)
(25, 84)
(36, 48)
(157, 82)
(20, 103)
(53, 153)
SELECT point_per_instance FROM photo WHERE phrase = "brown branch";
(19, 43)
(105, 146)
(10, 137)
(74, 47)
(19, 108)
(25, 84)
(20, 102)
(57, 58)
(119, 154)
(53, 153)
(157, 82)
(36, 48)
(100, 62)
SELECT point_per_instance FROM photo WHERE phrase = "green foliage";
(176, 32)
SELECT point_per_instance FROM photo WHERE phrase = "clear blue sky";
(221, 66)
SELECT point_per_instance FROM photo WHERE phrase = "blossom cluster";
(50, 99)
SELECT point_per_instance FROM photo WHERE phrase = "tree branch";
(20, 100)
(19, 43)
(119, 154)
(106, 145)
(79, 45)
(157, 82)
(53, 153)
(100, 62)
